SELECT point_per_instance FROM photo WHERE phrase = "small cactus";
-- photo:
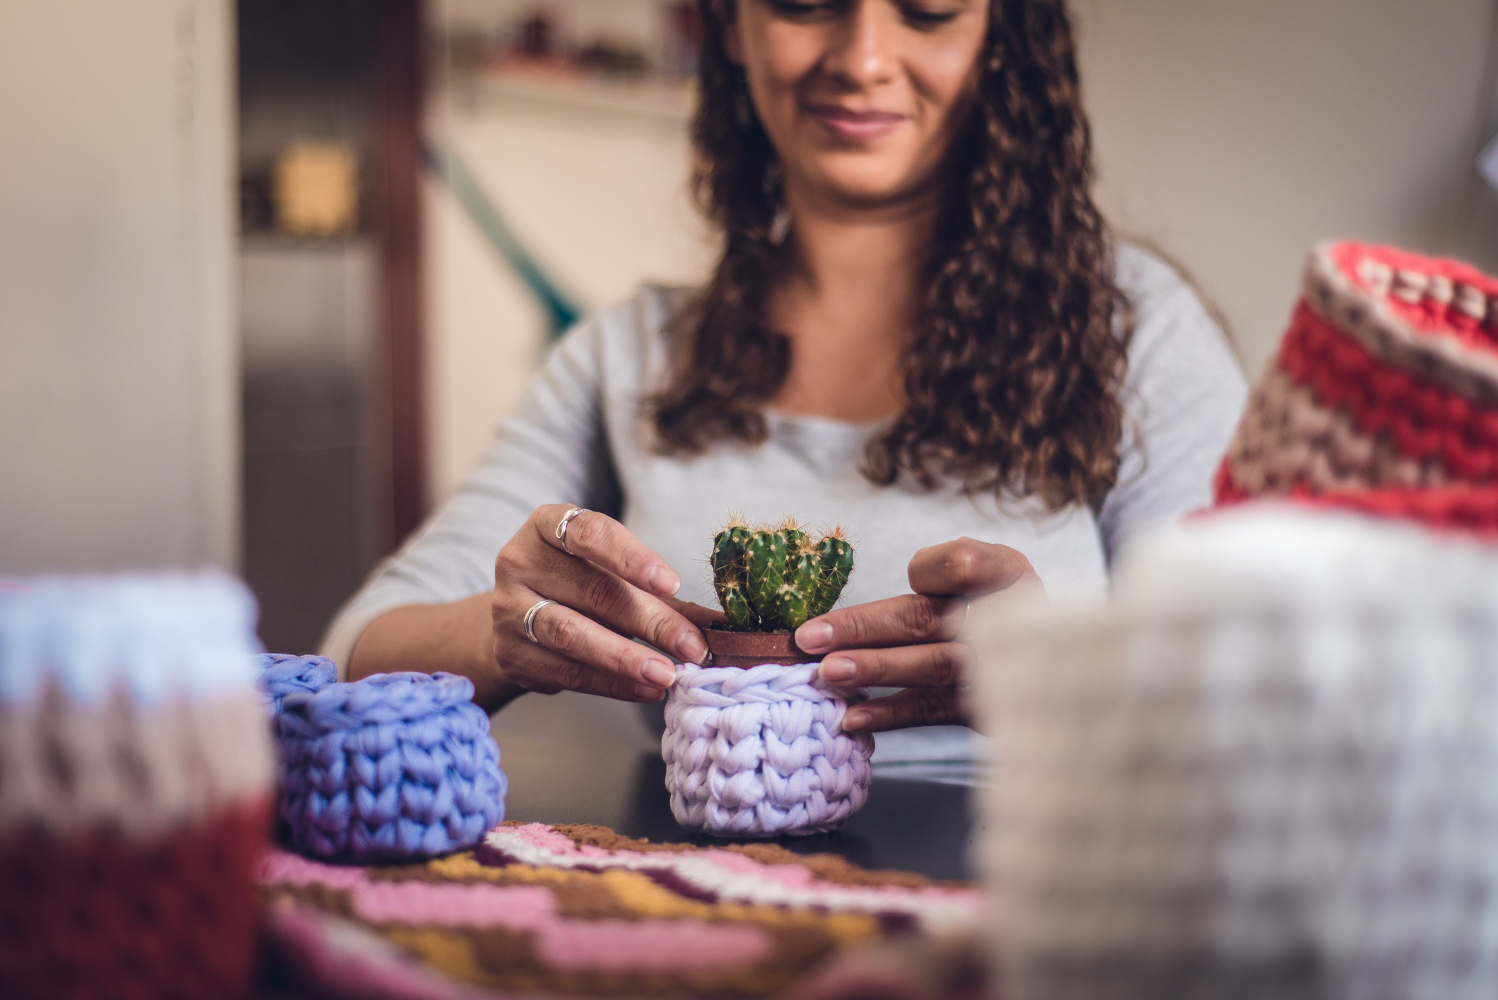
(773, 578)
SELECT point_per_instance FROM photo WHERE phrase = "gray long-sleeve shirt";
(578, 437)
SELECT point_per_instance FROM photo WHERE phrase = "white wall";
(600, 200)
(119, 384)
(1236, 135)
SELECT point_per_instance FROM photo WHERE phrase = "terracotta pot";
(750, 649)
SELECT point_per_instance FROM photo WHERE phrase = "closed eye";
(802, 9)
(921, 16)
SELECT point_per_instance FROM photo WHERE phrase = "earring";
(780, 228)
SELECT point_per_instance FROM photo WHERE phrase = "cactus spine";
(773, 578)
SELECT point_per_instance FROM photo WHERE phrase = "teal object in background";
(562, 311)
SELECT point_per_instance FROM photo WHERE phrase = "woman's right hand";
(608, 588)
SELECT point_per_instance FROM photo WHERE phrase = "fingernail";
(659, 673)
(691, 646)
(838, 670)
(855, 719)
(663, 580)
(649, 693)
(814, 636)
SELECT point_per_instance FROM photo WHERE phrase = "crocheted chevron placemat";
(579, 910)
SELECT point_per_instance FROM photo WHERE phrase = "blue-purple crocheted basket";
(390, 767)
(283, 674)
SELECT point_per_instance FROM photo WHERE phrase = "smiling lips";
(855, 126)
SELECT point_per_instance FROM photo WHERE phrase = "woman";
(919, 326)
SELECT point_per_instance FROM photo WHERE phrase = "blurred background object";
(315, 449)
(317, 189)
(119, 356)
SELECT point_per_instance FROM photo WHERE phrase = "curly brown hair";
(1014, 374)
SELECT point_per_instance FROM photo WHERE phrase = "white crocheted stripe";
(157, 636)
(735, 878)
(136, 769)
(761, 752)
(1276, 745)
(1442, 358)
(1287, 438)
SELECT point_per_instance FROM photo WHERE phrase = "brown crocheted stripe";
(1363, 312)
(827, 867)
(118, 765)
(1287, 439)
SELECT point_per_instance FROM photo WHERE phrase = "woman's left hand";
(912, 641)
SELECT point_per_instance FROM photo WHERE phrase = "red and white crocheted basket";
(1384, 394)
(135, 788)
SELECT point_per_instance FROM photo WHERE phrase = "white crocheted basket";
(761, 752)
(1269, 769)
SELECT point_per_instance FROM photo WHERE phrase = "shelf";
(262, 240)
(665, 103)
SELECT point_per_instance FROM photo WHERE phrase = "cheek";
(780, 56)
(944, 77)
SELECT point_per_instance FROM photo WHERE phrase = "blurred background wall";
(119, 418)
(1236, 135)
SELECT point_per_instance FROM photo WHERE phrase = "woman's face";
(861, 98)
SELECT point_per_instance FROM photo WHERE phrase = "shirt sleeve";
(1183, 398)
(552, 450)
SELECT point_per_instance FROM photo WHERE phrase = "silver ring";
(562, 526)
(530, 620)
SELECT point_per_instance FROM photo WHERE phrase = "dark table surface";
(915, 826)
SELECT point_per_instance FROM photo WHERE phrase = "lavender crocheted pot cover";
(761, 752)
(282, 674)
(393, 766)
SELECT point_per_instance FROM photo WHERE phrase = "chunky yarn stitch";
(282, 674)
(393, 766)
(761, 752)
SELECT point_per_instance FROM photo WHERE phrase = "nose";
(862, 51)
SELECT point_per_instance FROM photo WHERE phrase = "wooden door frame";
(399, 75)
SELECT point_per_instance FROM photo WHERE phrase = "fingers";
(695, 613)
(910, 707)
(940, 664)
(967, 567)
(626, 609)
(607, 544)
(575, 637)
(896, 621)
(525, 571)
(537, 668)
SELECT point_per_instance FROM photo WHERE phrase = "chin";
(867, 186)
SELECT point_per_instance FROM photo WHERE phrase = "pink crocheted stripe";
(561, 848)
(649, 945)
(566, 944)
(542, 836)
(519, 907)
(285, 868)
